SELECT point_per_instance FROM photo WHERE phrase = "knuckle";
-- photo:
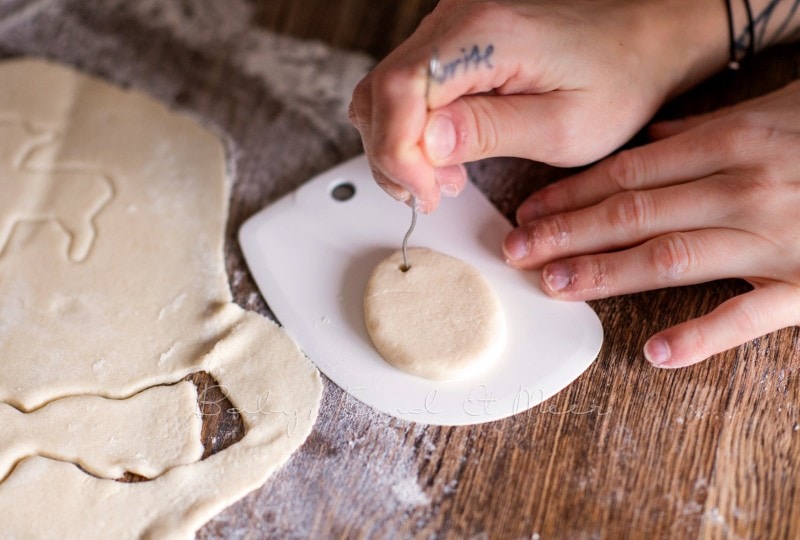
(389, 83)
(550, 194)
(763, 190)
(627, 170)
(763, 185)
(351, 114)
(672, 256)
(596, 274)
(484, 130)
(742, 130)
(631, 212)
(550, 232)
(362, 89)
(745, 319)
(362, 93)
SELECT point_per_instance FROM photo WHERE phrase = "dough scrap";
(123, 290)
(153, 431)
(439, 320)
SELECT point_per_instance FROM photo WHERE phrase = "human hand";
(564, 83)
(716, 196)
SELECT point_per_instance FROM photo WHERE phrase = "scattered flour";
(315, 83)
(309, 77)
(408, 493)
(390, 478)
(197, 22)
(714, 516)
(166, 355)
(252, 299)
(99, 366)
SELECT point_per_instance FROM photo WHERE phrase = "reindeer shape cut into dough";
(70, 196)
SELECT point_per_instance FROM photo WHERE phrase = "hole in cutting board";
(343, 191)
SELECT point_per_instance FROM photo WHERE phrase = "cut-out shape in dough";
(274, 389)
(146, 434)
(71, 197)
(440, 319)
(222, 424)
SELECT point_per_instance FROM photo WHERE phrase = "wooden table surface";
(626, 450)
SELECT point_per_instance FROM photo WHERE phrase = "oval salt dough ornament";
(440, 319)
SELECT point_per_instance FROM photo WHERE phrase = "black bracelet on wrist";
(735, 60)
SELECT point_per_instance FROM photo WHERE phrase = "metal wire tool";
(433, 67)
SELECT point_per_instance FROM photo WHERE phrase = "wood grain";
(626, 450)
(374, 27)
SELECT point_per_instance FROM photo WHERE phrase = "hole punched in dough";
(440, 320)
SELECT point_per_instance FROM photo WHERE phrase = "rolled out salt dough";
(147, 434)
(440, 319)
(112, 280)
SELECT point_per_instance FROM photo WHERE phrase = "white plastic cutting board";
(311, 256)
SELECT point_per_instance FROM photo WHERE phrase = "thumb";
(543, 127)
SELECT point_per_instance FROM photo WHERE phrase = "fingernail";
(656, 351)
(557, 276)
(449, 190)
(440, 137)
(421, 206)
(516, 245)
(529, 211)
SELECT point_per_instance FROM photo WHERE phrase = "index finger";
(402, 91)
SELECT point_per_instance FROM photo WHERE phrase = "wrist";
(685, 41)
(769, 22)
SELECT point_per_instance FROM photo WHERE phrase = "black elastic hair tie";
(751, 45)
(734, 60)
